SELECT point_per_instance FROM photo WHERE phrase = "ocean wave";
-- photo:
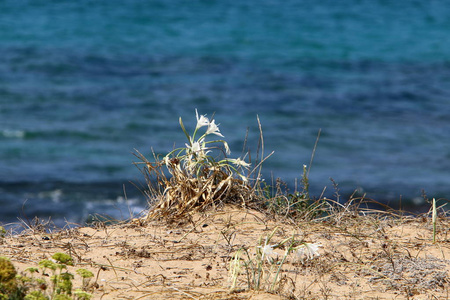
(64, 202)
(14, 134)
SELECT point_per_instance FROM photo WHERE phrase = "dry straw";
(198, 175)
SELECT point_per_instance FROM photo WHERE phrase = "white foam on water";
(9, 133)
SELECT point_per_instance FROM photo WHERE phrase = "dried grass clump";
(182, 193)
(190, 178)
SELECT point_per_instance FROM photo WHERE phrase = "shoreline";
(361, 256)
(66, 196)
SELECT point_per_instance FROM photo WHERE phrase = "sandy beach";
(360, 257)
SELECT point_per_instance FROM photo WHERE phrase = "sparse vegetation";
(230, 235)
(200, 175)
(30, 287)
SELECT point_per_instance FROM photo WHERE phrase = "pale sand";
(360, 258)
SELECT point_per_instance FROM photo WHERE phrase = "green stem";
(185, 132)
(288, 250)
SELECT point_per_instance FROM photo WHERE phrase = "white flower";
(195, 148)
(239, 162)
(309, 250)
(213, 129)
(267, 251)
(202, 121)
(198, 148)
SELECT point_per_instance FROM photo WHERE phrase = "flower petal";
(213, 129)
(202, 120)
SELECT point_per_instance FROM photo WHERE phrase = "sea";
(356, 90)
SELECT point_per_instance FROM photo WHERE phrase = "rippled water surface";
(82, 84)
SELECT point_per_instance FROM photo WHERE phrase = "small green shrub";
(63, 259)
(35, 295)
(7, 270)
(2, 232)
(14, 286)
(9, 288)
(82, 295)
(86, 275)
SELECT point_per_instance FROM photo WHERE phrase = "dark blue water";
(84, 83)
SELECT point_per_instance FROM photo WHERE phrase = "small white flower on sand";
(213, 129)
(202, 121)
(309, 250)
(267, 251)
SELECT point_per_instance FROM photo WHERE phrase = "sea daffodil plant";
(197, 178)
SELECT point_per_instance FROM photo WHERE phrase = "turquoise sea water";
(83, 83)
